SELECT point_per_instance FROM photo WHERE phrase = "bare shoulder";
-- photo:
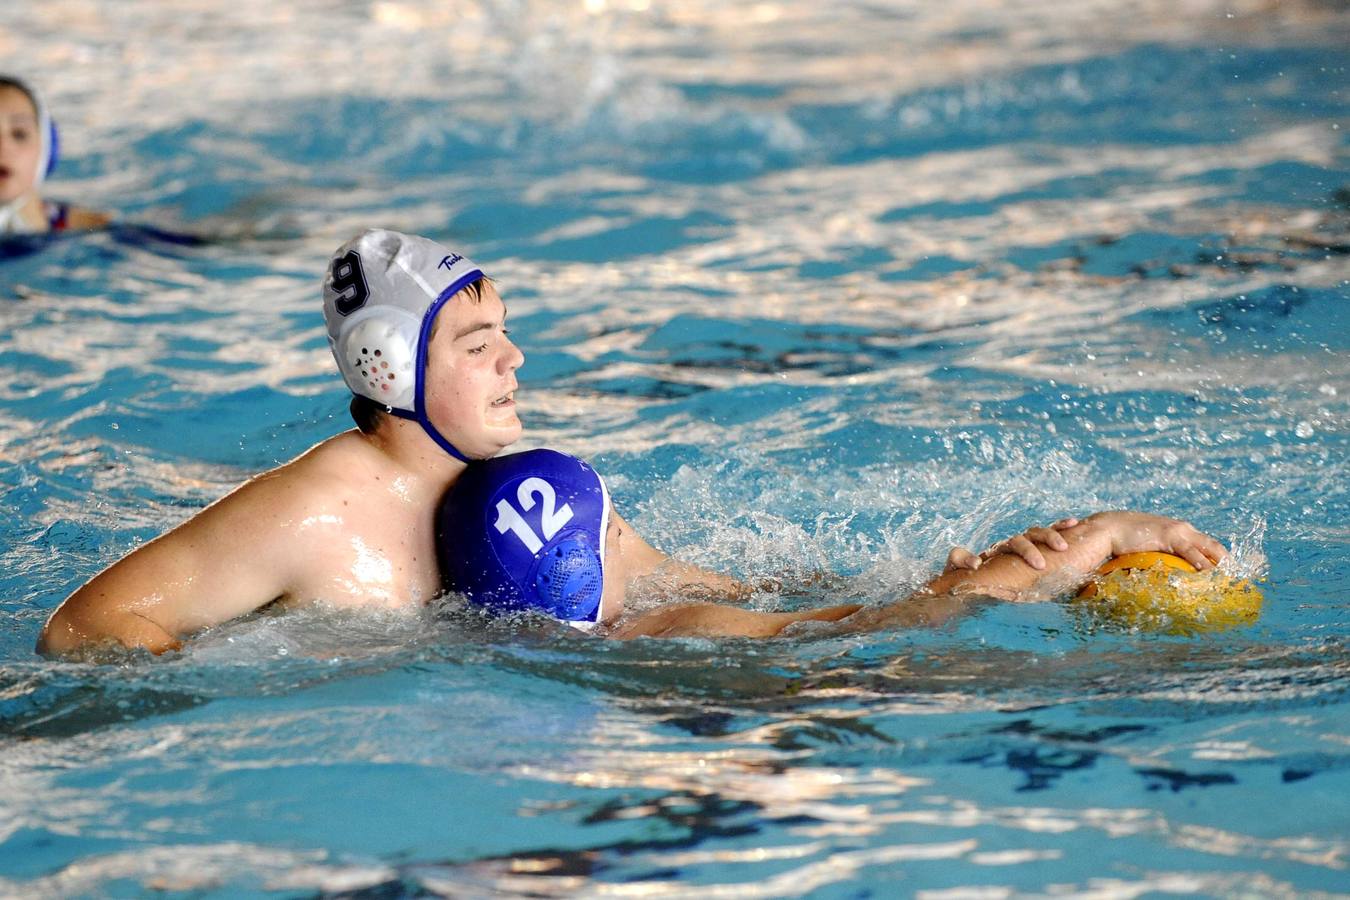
(277, 516)
(337, 469)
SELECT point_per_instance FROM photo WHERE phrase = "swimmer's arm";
(650, 572)
(1026, 545)
(220, 564)
(79, 218)
(1003, 577)
(1010, 577)
(716, 620)
(1084, 547)
(944, 598)
(79, 627)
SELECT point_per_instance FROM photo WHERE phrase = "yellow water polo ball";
(1163, 592)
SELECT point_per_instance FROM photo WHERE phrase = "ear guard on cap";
(568, 578)
(376, 355)
(527, 532)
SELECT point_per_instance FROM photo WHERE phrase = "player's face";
(20, 144)
(471, 376)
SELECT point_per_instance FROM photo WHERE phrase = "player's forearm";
(716, 620)
(1004, 577)
(1008, 576)
(70, 631)
(686, 580)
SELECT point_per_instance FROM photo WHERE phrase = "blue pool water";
(817, 286)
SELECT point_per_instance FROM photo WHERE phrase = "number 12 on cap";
(552, 517)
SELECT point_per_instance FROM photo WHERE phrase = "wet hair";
(9, 81)
(368, 413)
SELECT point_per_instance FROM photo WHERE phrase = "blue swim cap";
(527, 531)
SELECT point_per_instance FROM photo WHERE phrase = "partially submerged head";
(530, 531)
(27, 140)
(419, 333)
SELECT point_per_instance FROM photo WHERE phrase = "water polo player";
(536, 531)
(419, 335)
(420, 338)
(29, 149)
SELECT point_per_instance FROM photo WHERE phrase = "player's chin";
(503, 431)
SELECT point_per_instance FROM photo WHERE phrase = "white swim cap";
(381, 295)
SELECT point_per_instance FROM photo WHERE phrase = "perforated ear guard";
(568, 579)
(377, 352)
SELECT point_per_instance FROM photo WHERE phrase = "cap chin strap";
(418, 413)
(420, 418)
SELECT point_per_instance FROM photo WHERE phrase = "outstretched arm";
(79, 218)
(1086, 546)
(718, 620)
(647, 570)
(1004, 577)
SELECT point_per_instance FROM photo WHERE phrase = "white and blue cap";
(527, 532)
(381, 295)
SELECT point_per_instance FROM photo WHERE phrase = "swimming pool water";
(817, 287)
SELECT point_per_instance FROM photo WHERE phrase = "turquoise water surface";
(816, 286)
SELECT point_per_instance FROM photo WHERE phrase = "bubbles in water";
(1246, 557)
